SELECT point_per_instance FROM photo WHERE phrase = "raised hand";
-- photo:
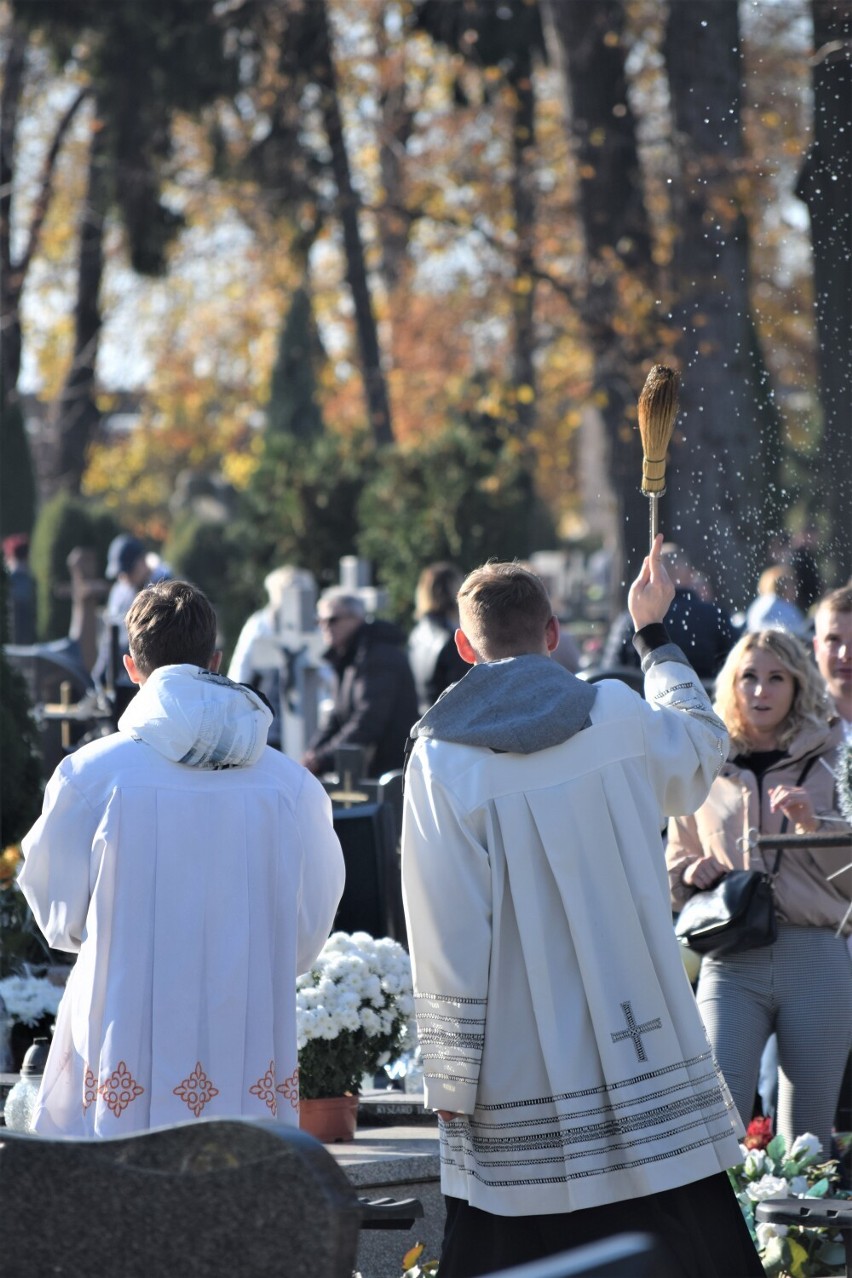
(652, 592)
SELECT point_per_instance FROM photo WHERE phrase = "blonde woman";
(779, 776)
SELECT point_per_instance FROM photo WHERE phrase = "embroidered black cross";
(635, 1031)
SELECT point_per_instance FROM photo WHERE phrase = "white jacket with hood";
(552, 1003)
(195, 872)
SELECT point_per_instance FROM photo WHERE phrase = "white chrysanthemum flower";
(370, 1022)
(361, 987)
(372, 990)
(799, 1186)
(328, 1028)
(768, 1187)
(755, 1161)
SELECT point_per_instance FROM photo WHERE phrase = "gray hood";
(519, 705)
(198, 718)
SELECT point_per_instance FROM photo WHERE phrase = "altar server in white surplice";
(195, 871)
(576, 1089)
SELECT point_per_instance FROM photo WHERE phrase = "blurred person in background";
(375, 701)
(703, 630)
(127, 569)
(432, 652)
(775, 606)
(22, 591)
(804, 552)
(266, 623)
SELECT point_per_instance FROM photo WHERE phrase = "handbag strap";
(780, 851)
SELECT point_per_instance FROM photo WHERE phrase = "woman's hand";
(795, 803)
(704, 873)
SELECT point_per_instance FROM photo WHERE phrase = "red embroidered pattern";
(289, 1089)
(120, 1089)
(197, 1090)
(90, 1089)
(264, 1088)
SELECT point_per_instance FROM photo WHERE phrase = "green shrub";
(209, 554)
(459, 496)
(17, 482)
(63, 523)
(301, 507)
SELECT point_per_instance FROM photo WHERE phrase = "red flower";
(758, 1133)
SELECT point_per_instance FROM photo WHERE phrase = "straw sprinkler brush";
(657, 412)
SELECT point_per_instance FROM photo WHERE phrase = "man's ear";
(551, 634)
(465, 648)
(215, 661)
(133, 673)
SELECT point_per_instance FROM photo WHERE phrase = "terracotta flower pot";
(329, 1118)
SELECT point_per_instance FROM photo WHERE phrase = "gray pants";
(800, 988)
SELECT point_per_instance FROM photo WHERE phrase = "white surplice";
(196, 872)
(552, 1004)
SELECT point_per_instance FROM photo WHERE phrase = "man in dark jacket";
(375, 701)
(702, 629)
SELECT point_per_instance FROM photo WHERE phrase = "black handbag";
(737, 913)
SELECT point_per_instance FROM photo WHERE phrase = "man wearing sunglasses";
(375, 701)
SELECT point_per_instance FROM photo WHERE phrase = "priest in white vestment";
(576, 1089)
(195, 872)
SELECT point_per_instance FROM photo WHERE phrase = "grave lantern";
(20, 1103)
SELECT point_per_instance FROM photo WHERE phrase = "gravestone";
(208, 1199)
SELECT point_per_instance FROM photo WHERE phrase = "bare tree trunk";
(523, 201)
(715, 470)
(378, 406)
(589, 43)
(397, 119)
(13, 273)
(18, 498)
(10, 276)
(76, 418)
(825, 185)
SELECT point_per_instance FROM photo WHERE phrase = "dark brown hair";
(504, 609)
(171, 623)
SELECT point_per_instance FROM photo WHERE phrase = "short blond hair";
(839, 600)
(810, 699)
(504, 609)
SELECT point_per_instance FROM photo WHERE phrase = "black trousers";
(699, 1228)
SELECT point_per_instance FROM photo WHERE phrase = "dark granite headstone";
(391, 1108)
(212, 1199)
